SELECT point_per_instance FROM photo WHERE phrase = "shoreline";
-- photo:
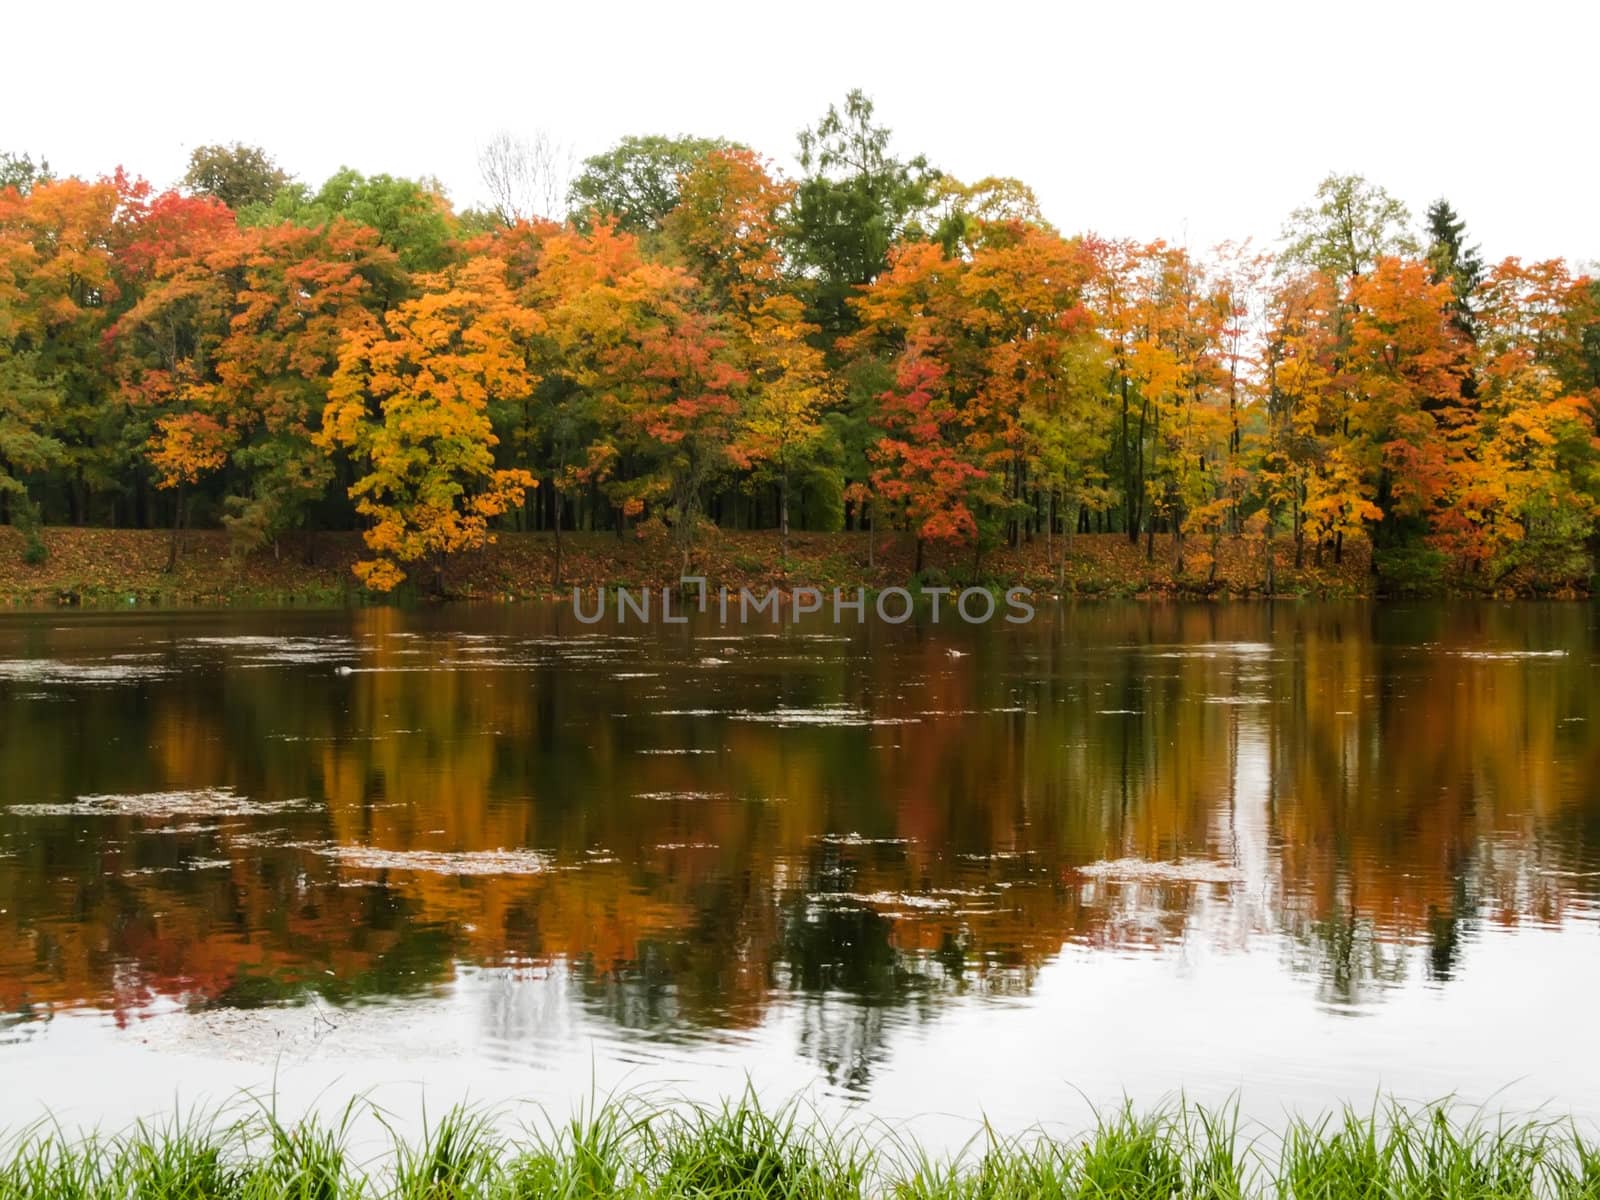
(116, 569)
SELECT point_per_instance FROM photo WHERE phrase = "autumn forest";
(673, 338)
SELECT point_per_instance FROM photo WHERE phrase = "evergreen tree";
(854, 203)
(1452, 260)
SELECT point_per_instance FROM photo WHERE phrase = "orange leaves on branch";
(187, 446)
(727, 223)
(411, 399)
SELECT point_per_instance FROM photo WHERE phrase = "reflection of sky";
(1515, 1028)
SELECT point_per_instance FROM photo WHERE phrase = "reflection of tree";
(1447, 933)
(1346, 955)
(639, 994)
(1349, 780)
(845, 1038)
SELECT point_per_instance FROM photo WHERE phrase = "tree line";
(680, 338)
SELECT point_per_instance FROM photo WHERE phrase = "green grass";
(642, 1150)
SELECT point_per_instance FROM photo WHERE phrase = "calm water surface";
(1297, 853)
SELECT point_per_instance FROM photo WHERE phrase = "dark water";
(1299, 851)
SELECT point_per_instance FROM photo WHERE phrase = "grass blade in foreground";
(632, 1148)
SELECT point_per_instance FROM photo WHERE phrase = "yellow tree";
(1527, 497)
(782, 431)
(411, 401)
(59, 290)
(1177, 369)
(1304, 468)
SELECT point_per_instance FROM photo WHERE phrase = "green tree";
(18, 171)
(238, 175)
(412, 216)
(635, 183)
(1352, 224)
(27, 410)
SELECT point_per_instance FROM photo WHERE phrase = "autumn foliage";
(872, 346)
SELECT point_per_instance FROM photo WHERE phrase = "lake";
(1295, 853)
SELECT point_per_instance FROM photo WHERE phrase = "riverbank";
(123, 567)
(637, 1149)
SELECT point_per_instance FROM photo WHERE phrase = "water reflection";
(682, 833)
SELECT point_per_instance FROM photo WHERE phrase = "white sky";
(1192, 121)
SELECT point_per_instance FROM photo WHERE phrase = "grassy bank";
(634, 1149)
(122, 568)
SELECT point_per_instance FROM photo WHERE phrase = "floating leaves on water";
(827, 714)
(440, 862)
(193, 864)
(965, 712)
(1504, 655)
(198, 802)
(1217, 650)
(1141, 870)
(269, 651)
(121, 669)
(880, 900)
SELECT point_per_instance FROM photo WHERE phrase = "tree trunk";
(1299, 536)
(783, 518)
(555, 580)
(1050, 528)
(177, 525)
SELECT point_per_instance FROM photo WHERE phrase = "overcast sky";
(1192, 121)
